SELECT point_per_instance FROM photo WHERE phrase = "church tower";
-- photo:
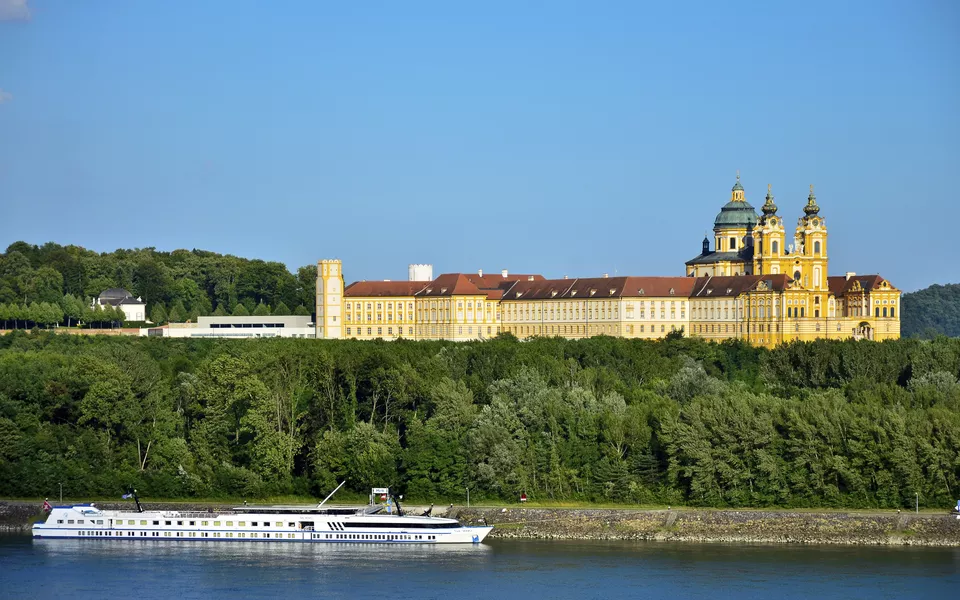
(768, 238)
(329, 300)
(809, 267)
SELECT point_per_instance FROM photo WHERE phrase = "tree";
(262, 310)
(177, 313)
(220, 312)
(281, 309)
(241, 311)
(72, 309)
(158, 314)
(301, 311)
(45, 285)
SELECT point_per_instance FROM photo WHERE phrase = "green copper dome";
(736, 215)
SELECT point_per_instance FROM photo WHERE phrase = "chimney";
(850, 274)
(480, 272)
(529, 277)
(504, 273)
(605, 275)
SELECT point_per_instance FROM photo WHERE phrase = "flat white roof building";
(238, 328)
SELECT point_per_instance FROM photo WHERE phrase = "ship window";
(243, 523)
(60, 521)
(292, 524)
(156, 522)
(279, 524)
(229, 523)
(166, 522)
(179, 522)
(254, 524)
(216, 523)
(143, 522)
(265, 524)
(204, 523)
(69, 521)
(193, 522)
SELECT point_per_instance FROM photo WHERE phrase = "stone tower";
(329, 299)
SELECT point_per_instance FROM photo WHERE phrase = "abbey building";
(756, 284)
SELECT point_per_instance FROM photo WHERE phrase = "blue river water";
(498, 569)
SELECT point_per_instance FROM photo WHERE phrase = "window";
(878, 311)
(775, 247)
(733, 243)
(816, 247)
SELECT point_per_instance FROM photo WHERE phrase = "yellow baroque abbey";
(756, 285)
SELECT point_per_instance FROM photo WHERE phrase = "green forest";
(932, 311)
(679, 421)
(53, 285)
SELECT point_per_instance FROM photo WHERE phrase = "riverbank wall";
(736, 526)
(679, 525)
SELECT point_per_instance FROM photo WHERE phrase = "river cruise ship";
(374, 524)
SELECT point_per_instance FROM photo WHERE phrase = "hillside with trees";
(931, 311)
(52, 284)
(679, 421)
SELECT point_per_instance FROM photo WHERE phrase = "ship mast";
(331, 494)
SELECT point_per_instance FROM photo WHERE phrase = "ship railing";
(192, 515)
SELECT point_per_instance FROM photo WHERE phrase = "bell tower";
(810, 247)
(768, 239)
(329, 299)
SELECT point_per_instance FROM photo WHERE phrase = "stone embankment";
(741, 526)
(681, 525)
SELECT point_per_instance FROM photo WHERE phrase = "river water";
(499, 569)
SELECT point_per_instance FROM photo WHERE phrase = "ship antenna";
(331, 494)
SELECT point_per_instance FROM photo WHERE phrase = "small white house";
(134, 309)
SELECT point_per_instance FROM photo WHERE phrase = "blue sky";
(567, 138)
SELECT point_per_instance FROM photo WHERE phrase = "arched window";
(775, 248)
(816, 248)
(796, 275)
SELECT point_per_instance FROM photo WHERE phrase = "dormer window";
(553, 293)
(640, 292)
(573, 292)
(613, 291)
(672, 292)
(443, 290)
(592, 292)
(729, 290)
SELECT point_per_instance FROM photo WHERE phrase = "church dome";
(736, 214)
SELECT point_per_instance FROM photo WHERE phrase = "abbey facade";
(756, 284)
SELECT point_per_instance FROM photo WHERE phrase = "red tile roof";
(734, 285)
(840, 285)
(450, 284)
(491, 281)
(600, 287)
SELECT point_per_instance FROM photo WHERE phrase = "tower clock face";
(773, 221)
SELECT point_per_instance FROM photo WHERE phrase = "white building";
(134, 309)
(238, 328)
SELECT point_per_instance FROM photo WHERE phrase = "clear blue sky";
(557, 137)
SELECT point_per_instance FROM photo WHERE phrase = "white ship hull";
(287, 524)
